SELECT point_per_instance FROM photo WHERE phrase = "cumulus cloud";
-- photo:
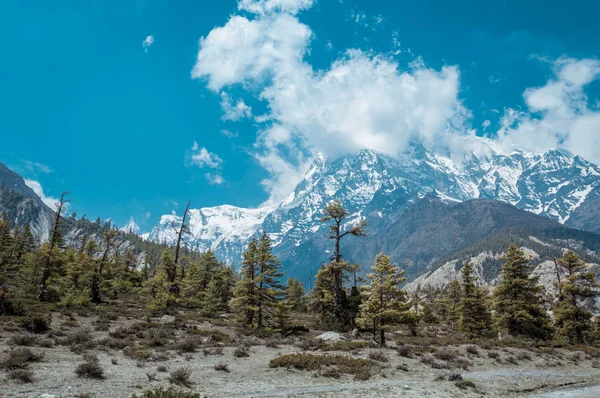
(366, 100)
(147, 43)
(36, 187)
(362, 100)
(270, 6)
(558, 114)
(233, 111)
(229, 134)
(201, 157)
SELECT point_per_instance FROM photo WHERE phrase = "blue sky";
(133, 126)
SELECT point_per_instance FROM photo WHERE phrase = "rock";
(330, 336)
(355, 334)
(164, 319)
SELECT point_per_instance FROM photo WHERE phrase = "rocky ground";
(403, 369)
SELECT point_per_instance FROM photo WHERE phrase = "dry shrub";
(189, 344)
(181, 377)
(25, 340)
(378, 356)
(446, 355)
(472, 350)
(21, 375)
(90, 369)
(241, 352)
(221, 367)
(360, 368)
(162, 369)
(20, 358)
(169, 393)
(404, 351)
(402, 366)
(493, 355)
(464, 384)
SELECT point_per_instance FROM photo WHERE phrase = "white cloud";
(214, 178)
(366, 100)
(362, 100)
(245, 51)
(131, 226)
(493, 79)
(37, 167)
(234, 112)
(269, 6)
(36, 187)
(558, 114)
(203, 158)
(229, 134)
(147, 43)
(486, 124)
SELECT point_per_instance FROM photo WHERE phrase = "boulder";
(330, 336)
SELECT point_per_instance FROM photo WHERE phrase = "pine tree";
(454, 297)
(52, 261)
(336, 214)
(517, 300)
(322, 301)
(268, 288)
(7, 242)
(572, 319)
(208, 264)
(384, 303)
(192, 286)
(295, 295)
(474, 316)
(24, 243)
(245, 297)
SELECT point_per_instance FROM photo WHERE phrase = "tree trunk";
(179, 236)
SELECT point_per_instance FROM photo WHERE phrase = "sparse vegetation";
(181, 377)
(360, 368)
(222, 367)
(21, 375)
(167, 393)
(90, 369)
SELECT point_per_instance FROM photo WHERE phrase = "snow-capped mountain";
(379, 187)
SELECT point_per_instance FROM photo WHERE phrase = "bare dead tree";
(183, 230)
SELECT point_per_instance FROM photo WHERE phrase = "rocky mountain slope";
(22, 205)
(554, 184)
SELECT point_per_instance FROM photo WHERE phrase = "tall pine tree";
(573, 320)
(518, 302)
(474, 316)
(384, 302)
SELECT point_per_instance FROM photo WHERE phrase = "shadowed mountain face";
(431, 232)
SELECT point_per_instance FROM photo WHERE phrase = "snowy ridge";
(379, 187)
